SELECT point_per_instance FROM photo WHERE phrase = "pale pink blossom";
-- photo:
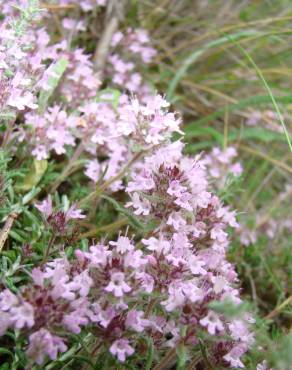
(121, 349)
(42, 343)
(212, 322)
(118, 285)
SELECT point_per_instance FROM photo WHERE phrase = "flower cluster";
(55, 300)
(49, 131)
(267, 119)
(265, 224)
(220, 164)
(80, 81)
(103, 131)
(58, 219)
(123, 72)
(106, 289)
(137, 42)
(188, 249)
(20, 63)
(117, 135)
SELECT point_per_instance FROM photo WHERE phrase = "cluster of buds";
(58, 220)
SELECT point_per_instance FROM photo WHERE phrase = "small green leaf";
(4, 351)
(182, 357)
(5, 366)
(133, 220)
(55, 72)
(16, 236)
(150, 354)
(228, 308)
(109, 96)
(8, 116)
(36, 172)
(257, 133)
(199, 131)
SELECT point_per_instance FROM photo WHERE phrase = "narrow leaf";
(54, 72)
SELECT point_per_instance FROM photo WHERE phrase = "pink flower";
(263, 366)
(82, 283)
(42, 343)
(135, 321)
(121, 349)
(93, 170)
(74, 213)
(20, 100)
(233, 357)
(123, 245)
(40, 152)
(176, 220)
(141, 207)
(117, 37)
(192, 292)
(176, 189)
(212, 322)
(134, 259)
(22, 315)
(46, 206)
(7, 300)
(240, 331)
(146, 281)
(220, 163)
(74, 320)
(98, 255)
(38, 277)
(196, 265)
(104, 317)
(117, 285)
(227, 216)
(70, 24)
(4, 322)
(220, 284)
(157, 245)
(176, 298)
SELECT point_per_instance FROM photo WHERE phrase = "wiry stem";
(8, 133)
(107, 228)
(93, 353)
(278, 309)
(102, 50)
(48, 249)
(150, 307)
(67, 169)
(167, 360)
(114, 13)
(195, 361)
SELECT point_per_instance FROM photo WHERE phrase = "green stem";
(68, 168)
(48, 249)
(107, 228)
